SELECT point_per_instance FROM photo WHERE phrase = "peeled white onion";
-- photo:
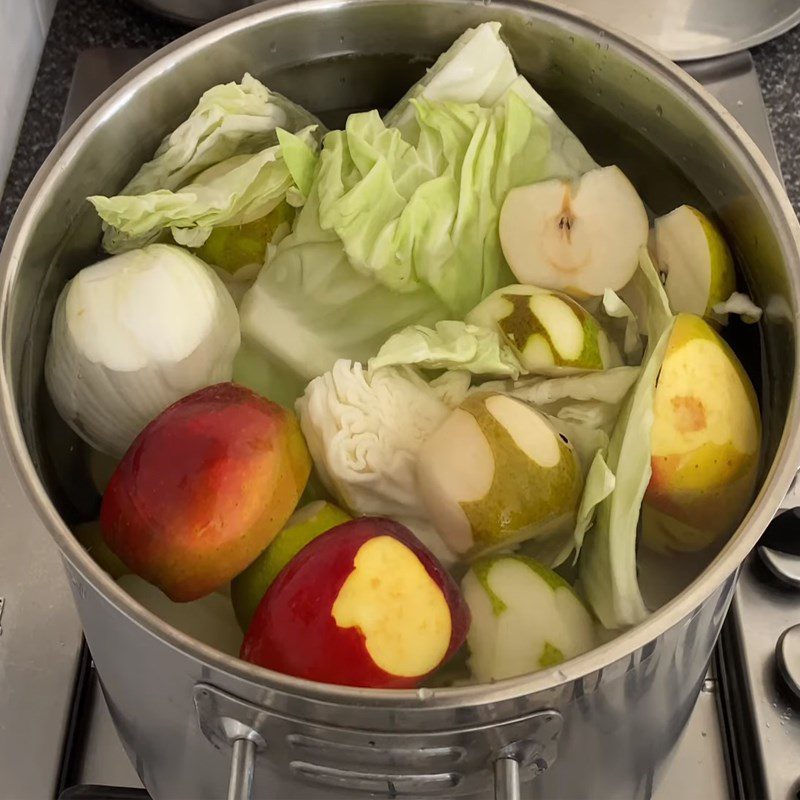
(133, 334)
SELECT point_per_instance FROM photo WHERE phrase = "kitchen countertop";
(81, 24)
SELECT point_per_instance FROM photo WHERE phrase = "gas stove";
(57, 738)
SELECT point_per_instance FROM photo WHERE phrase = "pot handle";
(240, 782)
(228, 721)
(506, 779)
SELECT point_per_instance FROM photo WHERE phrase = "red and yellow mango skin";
(364, 604)
(706, 441)
(204, 488)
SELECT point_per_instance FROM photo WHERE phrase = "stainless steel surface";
(102, 760)
(39, 647)
(625, 703)
(787, 655)
(692, 29)
(784, 566)
(697, 768)
(768, 723)
(240, 783)
(193, 12)
(764, 725)
(335, 755)
(506, 779)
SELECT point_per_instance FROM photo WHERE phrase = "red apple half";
(365, 604)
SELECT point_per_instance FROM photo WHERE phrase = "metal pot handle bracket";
(519, 749)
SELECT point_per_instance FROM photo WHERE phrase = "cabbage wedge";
(607, 565)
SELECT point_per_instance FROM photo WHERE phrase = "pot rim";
(775, 486)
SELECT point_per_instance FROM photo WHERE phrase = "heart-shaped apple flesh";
(204, 489)
(696, 261)
(496, 473)
(580, 237)
(706, 439)
(364, 604)
(303, 526)
(525, 618)
(549, 332)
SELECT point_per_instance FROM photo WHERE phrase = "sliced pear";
(549, 331)
(497, 473)
(580, 237)
(696, 261)
(524, 618)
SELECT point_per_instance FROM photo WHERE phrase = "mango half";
(706, 439)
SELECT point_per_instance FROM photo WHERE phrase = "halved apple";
(580, 237)
(497, 473)
(365, 604)
(696, 260)
(706, 439)
(524, 618)
(549, 331)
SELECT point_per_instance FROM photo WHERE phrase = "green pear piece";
(549, 332)
(581, 237)
(524, 618)
(236, 247)
(303, 526)
(696, 260)
(497, 473)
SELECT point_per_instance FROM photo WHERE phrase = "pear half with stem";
(697, 262)
(580, 237)
(549, 331)
(497, 473)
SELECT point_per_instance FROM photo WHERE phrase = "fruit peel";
(204, 488)
(706, 441)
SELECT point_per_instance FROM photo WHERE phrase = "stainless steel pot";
(596, 726)
(193, 12)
